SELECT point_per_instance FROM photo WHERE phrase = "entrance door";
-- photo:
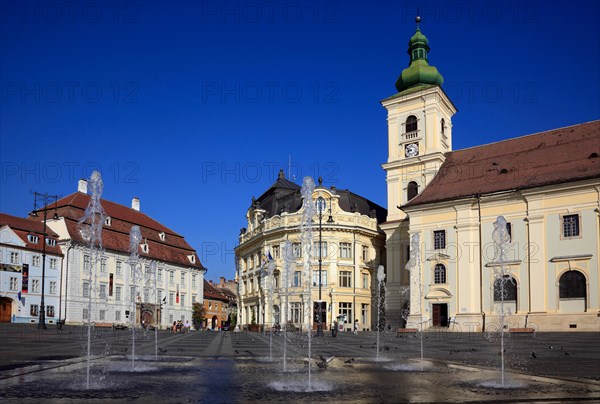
(439, 315)
(5, 309)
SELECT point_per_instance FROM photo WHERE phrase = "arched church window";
(572, 285)
(411, 124)
(412, 190)
(507, 286)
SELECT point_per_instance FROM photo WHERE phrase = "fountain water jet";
(380, 285)
(414, 267)
(90, 226)
(135, 237)
(270, 285)
(501, 238)
(288, 264)
(308, 187)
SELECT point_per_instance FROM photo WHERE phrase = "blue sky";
(194, 106)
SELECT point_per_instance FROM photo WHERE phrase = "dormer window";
(145, 248)
(192, 258)
(51, 242)
(32, 238)
(162, 236)
(411, 124)
(107, 221)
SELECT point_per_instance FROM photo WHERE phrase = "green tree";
(198, 313)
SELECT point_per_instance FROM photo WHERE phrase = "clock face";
(411, 150)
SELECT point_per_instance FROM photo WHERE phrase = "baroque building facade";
(22, 274)
(351, 248)
(546, 185)
(167, 281)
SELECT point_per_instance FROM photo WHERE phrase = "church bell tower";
(419, 134)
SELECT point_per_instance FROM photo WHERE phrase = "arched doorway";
(572, 292)
(214, 323)
(5, 309)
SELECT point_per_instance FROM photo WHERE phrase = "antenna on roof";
(290, 176)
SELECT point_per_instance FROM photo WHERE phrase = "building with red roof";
(168, 280)
(545, 185)
(21, 258)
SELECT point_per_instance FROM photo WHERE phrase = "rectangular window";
(275, 251)
(87, 262)
(365, 281)
(323, 249)
(193, 281)
(170, 319)
(194, 299)
(146, 295)
(182, 299)
(296, 312)
(103, 265)
(171, 299)
(102, 315)
(171, 277)
(159, 275)
(53, 288)
(35, 285)
(117, 315)
(345, 309)
(439, 239)
(316, 278)
(13, 283)
(364, 313)
(345, 250)
(118, 293)
(159, 296)
(365, 253)
(345, 279)
(297, 281)
(86, 289)
(570, 225)
(53, 263)
(297, 250)
(34, 310)
(35, 261)
(119, 270)
(49, 311)
(85, 314)
(14, 257)
(103, 291)
(182, 279)
(132, 294)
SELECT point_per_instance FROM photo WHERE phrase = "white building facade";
(160, 289)
(21, 270)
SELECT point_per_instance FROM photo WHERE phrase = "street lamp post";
(321, 205)
(43, 198)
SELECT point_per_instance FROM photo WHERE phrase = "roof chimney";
(82, 186)
(222, 283)
(135, 203)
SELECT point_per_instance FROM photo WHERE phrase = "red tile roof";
(115, 237)
(211, 293)
(556, 156)
(23, 227)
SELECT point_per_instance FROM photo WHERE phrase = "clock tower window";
(412, 190)
(411, 124)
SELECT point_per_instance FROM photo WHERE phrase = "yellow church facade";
(546, 185)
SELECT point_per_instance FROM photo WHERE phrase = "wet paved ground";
(242, 367)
